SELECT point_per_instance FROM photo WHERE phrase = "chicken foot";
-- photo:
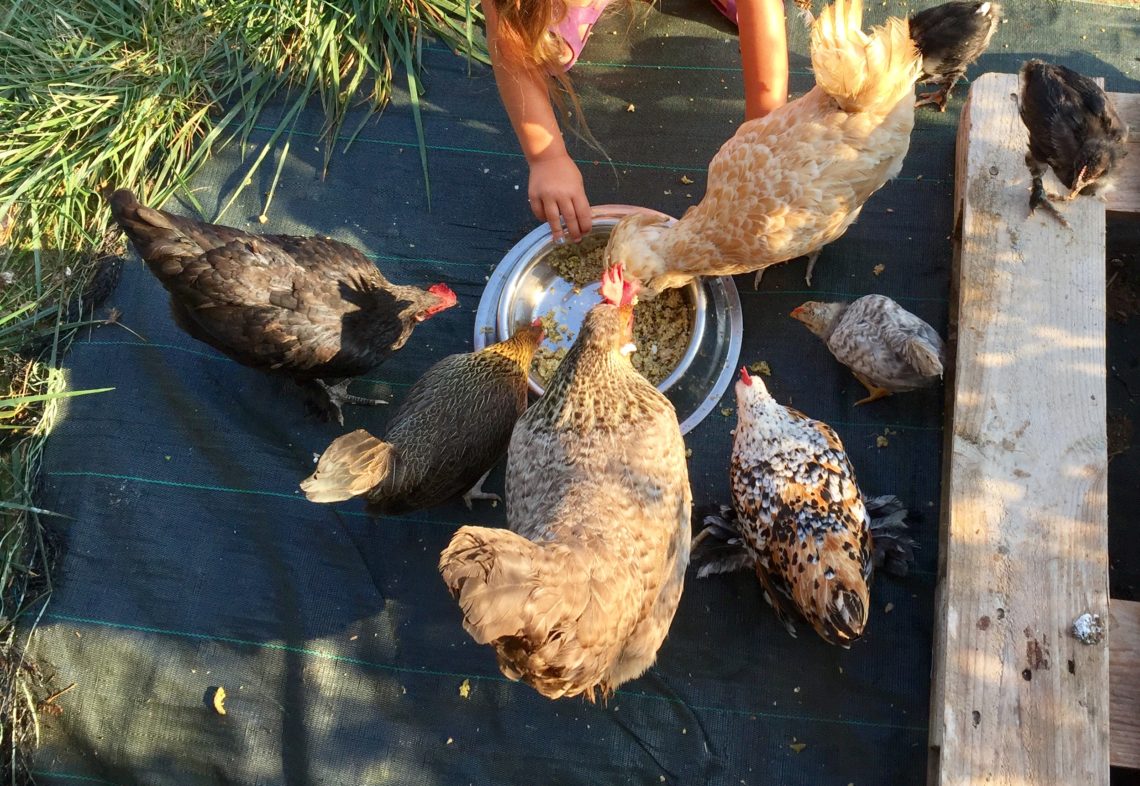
(1038, 197)
(336, 396)
(476, 492)
(811, 258)
(941, 96)
(875, 391)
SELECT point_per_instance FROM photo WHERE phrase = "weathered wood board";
(1125, 198)
(1015, 698)
(1124, 635)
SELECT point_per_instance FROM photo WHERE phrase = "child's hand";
(557, 194)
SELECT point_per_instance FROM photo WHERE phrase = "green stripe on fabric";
(70, 776)
(511, 154)
(455, 675)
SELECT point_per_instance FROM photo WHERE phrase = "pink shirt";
(569, 29)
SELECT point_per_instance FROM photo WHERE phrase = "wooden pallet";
(1015, 698)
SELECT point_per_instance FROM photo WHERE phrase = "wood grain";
(1016, 699)
(1125, 198)
(1124, 635)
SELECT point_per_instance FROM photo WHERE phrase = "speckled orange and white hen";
(801, 521)
(791, 182)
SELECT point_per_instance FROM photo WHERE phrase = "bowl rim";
(487, 324)
(541, 245)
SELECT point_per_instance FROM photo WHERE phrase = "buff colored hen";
(791, 182)
(578, 595)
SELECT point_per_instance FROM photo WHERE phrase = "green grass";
(98, 94)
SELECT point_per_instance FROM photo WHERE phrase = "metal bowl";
(524, 287)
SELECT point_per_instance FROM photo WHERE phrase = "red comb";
(615, 289)
(744, 375)
(443, 291)
(536, 323)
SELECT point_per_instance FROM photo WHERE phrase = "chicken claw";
(338, 396)
(812, 257)
(938, 98)
(875, 391)
(476, 492)
(1039, 198)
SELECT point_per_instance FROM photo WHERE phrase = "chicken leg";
(940, 96)
(476, 492)
(875, 391)
(336, 396)
(1038, 197)
(812, 257)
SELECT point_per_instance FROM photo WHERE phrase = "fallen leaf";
(726, 411)
(686, 180)
(881, 441)
(219, 700)
(450, 740)
(877, 269)
(631, 108)
(761, 367)
(798, 747)
(464, 689)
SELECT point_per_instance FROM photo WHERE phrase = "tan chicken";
(577, 596)
(448, 433)
(801, 521)
(887, 348)
(791, 182)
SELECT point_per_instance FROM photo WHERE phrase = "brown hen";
(447, 434)
(577, 596)
(311, 308)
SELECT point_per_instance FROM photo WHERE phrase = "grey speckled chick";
(887, 348)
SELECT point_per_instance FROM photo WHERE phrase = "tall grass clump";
(97, 94)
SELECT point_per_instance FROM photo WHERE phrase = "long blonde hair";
(525, 35)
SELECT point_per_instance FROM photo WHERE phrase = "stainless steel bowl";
(524, 287)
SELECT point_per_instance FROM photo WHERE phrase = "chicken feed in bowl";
(688, 339)
(662, 327)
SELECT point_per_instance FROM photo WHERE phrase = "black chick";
(1073, 128)
(311, 308)
(951, 37)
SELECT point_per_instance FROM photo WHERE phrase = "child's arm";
(556, 188)
(763, 54)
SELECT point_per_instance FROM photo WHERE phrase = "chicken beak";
(1080, 183)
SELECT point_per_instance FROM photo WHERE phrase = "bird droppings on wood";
(1088, 628)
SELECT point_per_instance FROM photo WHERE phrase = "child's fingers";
(552, 216)
(582, 211)
(570, 217)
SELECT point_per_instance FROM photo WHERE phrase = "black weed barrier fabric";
(190, 559)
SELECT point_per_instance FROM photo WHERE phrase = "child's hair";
(526, 37)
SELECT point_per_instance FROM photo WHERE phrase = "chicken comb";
(745, 377)
(615, 289)
(443, 291)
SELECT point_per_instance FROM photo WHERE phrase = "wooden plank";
(1015, 698)
(1125, 198)
(1124, 638)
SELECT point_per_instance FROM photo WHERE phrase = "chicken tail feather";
(863, 72)
(528, 601)
(892, 546)
(352, 465)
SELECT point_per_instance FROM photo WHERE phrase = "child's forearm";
(763, 54)
(526, 99)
